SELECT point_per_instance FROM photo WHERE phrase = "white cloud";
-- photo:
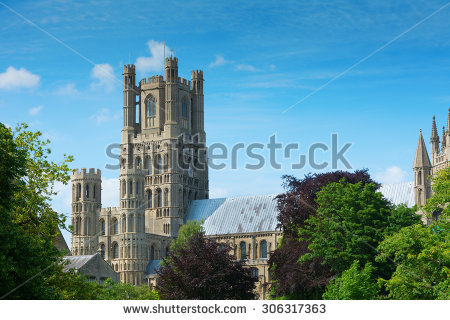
(18, 78)
(220, 61)
(36, 110)
(246, 67)
(104, 76)
(67, 90)
(104, 115)
(154, 63)
(392, 174)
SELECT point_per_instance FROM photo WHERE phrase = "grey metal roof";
(153, 266)
(76, 262)
(259, 213)
(399, 193)
(235, 215)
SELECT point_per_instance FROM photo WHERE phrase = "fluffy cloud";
(103, 74)
(220, 61)
(36, 110)
(154, 63)
(67, 90)
(18, 78)
(246, 67)
(104, 115)
(392, 174)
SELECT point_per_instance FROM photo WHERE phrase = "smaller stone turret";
(86, 203)
(434, 141)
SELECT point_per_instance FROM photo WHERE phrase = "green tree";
(438, 202)
(32, 210)
(351, 220)
(353, 284)
(186, 232)
(24, 260)
(125, 291)
(422, 256)
(29, 261)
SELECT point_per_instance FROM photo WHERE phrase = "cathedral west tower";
(163, 166)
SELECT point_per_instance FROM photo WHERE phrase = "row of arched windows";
(89, 192)
(262, 250)
(114, 225)
(160, 164)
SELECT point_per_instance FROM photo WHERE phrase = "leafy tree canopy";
(422, 256)
(202, 270)
(306, 279)
(353, 284)
(350, 222)
(439, 201)
(186, 232)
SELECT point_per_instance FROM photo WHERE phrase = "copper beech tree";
(203, 269)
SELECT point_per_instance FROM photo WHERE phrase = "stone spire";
(421, 160)
(444, 143)
(448, 122)
(434, 141)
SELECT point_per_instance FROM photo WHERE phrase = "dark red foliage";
(307, 279)
(203, 270)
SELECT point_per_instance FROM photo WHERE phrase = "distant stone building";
(93, 267)
(424, 168)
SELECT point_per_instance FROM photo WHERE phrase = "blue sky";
(62, 76)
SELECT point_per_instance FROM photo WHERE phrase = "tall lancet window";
(150, 111)
(184, 113)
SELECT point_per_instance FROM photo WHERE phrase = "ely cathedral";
(164, 183)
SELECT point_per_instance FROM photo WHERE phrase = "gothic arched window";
(166, 197)
(102, 251)
(184, 113)
(124, 224)
(254, 273)
(165, 162)
(138, 163)
(148, 164)
(243, 248)
(158, 199)
(115, 251)
(87, 192)
(115, 226)
(78, 191)
(150, 111)
(149, 199)
(102, 226)
(264, 249)
(124, 188)
(152, 253)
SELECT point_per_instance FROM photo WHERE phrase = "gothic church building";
(164, 183)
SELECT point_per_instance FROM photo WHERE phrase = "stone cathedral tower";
(424, 167)
(163, 166)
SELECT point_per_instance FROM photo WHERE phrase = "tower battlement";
(152, 80)
(171, 62)
(129, 68)
(197, 74)
(84, 174)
